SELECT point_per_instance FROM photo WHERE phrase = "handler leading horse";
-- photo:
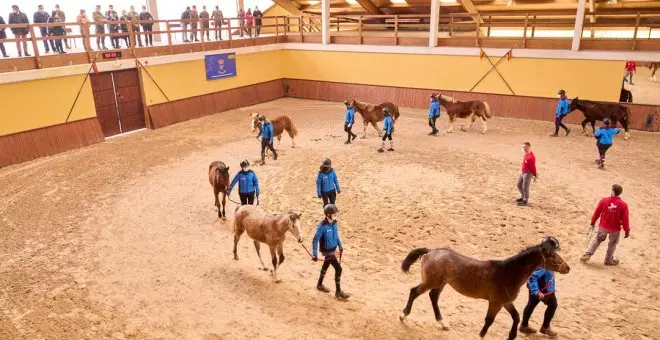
(594, 111)
(496, 281)
(468, 110)
(372, 114)
(280, 124)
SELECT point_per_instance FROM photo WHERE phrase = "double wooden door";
(118, 101)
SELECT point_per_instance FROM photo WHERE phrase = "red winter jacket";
(631, 66)
(529, 164)
(613, 213)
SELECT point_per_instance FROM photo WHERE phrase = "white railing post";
(325, 21)
(579, 22)
(435, 23)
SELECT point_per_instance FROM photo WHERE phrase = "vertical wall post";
(325, 21)
(435, 22)
(579, 22)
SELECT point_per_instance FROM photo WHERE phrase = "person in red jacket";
(631, 68)
(527, 172)
(613, 214)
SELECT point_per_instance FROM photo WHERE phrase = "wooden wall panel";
(501, 105)
(29, 145)
(169, 113)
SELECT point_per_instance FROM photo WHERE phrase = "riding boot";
(382, 147)
(391, 146)
(354, 136)
(339, 294)
(319, 284)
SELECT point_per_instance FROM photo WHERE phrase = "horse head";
(551, 258)
(574, 104)
(254, 121)
(357, 105)
(295, 225)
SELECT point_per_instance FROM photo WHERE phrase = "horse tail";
(291, 127)
(488, 113)
(412, 258)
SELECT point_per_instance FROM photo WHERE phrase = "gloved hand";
(349, 125)
(315, 258)
(540, 295)
(320, 196)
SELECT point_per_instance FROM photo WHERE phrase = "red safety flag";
(481, 55)
(509, 55)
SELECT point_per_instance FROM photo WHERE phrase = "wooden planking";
(502, 105)
(29, 145)
(169, 113)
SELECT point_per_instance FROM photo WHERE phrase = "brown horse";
(497, 281)
(468, 110)
(594, 111)
(372, 114)
(280, 124)
(219, 179)
(654, 68)
(267, 228)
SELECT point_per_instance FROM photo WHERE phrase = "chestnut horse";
(372, 114)
(594, 111)
(497, 281)
(468, 110)
(267, 228)
(280, 124)
(219, 179)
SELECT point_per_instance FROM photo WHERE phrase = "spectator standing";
(241, 21)
(62, 16)
(16, 17)
(194, 22)
(57, 31)
(218, 19)
(631, 68)
(3, 35)
(204, 17)
(147, 27)
(125, 20)
(134, 17)
(111, 15)
(257, 20)
(42, 17)
(99, 26)
(82, 20)
(249, 22)
(185, 19)
(527, 172)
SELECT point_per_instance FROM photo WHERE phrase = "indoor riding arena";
(109, 227)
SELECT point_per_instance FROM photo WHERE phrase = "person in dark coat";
(62, 16)
(16, 18)
(42, 17)
(258, 16)
(194, 23)
(206, 24)
(111, 15)
(218, 18)
(3, 35)
(57, 31)
(125, 20)
(99, 28)
(267, 137)
(134, 17)
(185, 20)
(147, 27)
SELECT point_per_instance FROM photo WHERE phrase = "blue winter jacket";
(247, 182)
(542, 280)
(327, 235)
(350, 116)
(434, 110)
(326, 181)
(388, 124)
(266, 131)
(563, 107)
(605, 135)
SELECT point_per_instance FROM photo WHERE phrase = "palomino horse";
(219, 179)
(280, 124)
(594, 111)
(268, 228)
(468, 110)
(497, 281)
(372, 114)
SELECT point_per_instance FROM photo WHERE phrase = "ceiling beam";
(471, 9)
(289, 6)
(369, 6)
(567, 6)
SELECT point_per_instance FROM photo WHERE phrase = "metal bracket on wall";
(494, 67)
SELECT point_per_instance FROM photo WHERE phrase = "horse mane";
(449, 99)
(363, 106)
(516, 258)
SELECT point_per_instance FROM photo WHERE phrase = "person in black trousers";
(541, 289)
(3, 35)
(57, 31)
(327, 186)
(42, 17)
(327, 237)
(147, 27)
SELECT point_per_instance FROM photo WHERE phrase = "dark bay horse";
(219, 179)
(372, 114)
(497, 281)
(468, 110)
(594, 111)
(280, 124)
(266, 228)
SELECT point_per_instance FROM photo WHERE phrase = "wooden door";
(118, 101)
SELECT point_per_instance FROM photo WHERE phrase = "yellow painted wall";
(188, 79)
(35, 104)
(597, 80)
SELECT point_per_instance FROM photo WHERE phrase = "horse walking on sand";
(219, 179)
(594, 111)
(266, 228)
(280, 124)
(468, 110)
(654, 68)
(372, 114)
(497, 281)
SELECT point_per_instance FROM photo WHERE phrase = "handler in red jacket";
(527, 172)
(613, 213)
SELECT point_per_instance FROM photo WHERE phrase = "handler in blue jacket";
(327, 236)
(327, 186)
(541, 289)
(267, 136)
(434, 113)
(605, 137)
(349, 120)
(248, 184)
(563, 108)
(388, 129)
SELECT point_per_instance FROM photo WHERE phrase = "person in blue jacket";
(327, 186)
(267, 137)
(541, 289)
(349, 120)
(388, 129)
(563, 108)
(248, 184)
(604, 138)
(434, 113)
(327, 236)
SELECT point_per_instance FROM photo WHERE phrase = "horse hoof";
(445, 326)
(402, 316)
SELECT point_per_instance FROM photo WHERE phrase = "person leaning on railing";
(218, 19)
(3, 35)
(16, 18)
(147, 27)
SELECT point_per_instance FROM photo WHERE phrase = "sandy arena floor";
(120, 240)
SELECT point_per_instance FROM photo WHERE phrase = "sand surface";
(121, 240)
(645, 90)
